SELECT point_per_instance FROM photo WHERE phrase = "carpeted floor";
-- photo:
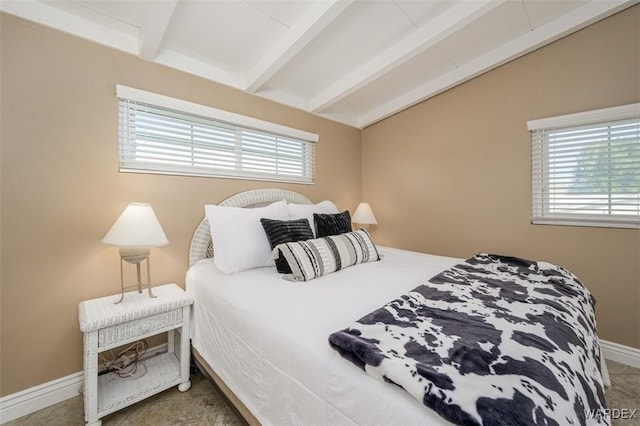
(202, 405)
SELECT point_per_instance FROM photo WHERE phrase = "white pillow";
(306, 211)
(239, 240)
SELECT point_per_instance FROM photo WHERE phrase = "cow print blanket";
(492, 341)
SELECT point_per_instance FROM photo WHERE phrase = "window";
(586, 168)
(158, 134)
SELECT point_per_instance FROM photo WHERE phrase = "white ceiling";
(355, 62)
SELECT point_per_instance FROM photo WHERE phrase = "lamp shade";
(136, 227)
(364, 215)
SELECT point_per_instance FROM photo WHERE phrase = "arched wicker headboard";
(201, 243)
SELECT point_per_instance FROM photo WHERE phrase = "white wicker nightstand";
(106, 326)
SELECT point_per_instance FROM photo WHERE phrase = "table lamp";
(136, 230)
(364, 215)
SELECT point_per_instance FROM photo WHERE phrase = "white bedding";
(267, 338)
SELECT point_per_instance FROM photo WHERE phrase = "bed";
(264, 340)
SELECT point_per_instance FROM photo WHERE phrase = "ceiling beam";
(152, 33)
(297, 37)
(69, 23)
(452, 20)
(584, 16)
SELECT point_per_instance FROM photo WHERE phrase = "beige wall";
(452, 174)
(61, 189)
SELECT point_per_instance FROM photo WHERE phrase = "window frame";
(541, 207)
(244, 129)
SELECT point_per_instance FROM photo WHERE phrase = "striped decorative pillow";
(313, 258)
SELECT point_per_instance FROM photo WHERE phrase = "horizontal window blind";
(587, 174)
(158, 139)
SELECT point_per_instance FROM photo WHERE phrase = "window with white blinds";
(586, 168)
(158, 134)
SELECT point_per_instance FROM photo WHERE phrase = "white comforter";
(267, 339)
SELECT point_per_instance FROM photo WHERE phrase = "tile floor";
(202, 405)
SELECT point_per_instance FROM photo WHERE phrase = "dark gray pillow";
(332, 224)
(285, 231)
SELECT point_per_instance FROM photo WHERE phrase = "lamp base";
(134, 256)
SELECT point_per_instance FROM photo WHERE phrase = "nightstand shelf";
(107, 325)
(163, 372)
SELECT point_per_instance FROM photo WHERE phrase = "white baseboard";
(621, 353)
(42, 396)
(33, 399)
(38, 397)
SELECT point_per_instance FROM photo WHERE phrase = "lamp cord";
(125, 364)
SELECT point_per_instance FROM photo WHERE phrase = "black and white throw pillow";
(314, 258)
(285, 231)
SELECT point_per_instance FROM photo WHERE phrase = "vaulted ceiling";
(355, 62)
